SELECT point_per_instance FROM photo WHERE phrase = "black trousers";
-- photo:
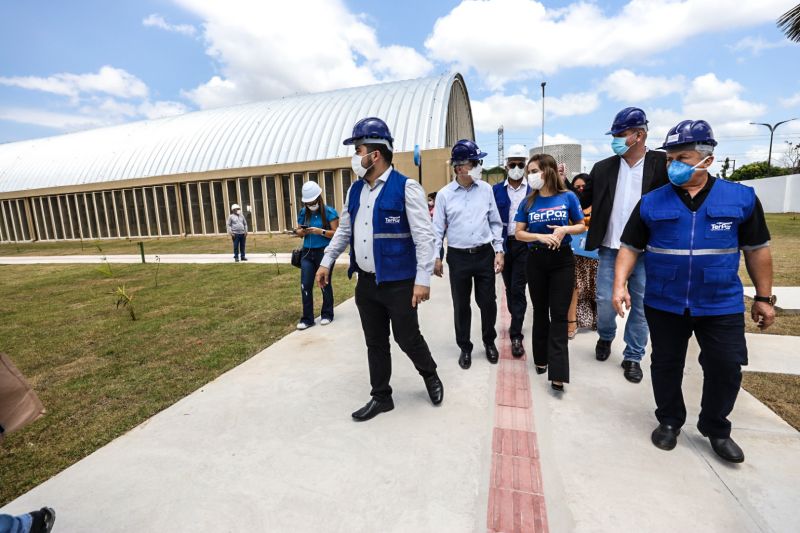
(723, 351)
(551, 280)
(382, 305)
(515, 278)
(466, 268)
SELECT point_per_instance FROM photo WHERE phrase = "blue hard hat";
(689, 131)
(466, 150)
(370, 128)
(630, 117)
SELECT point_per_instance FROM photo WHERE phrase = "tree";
(757, 170)
(791, 159)
(725, 166)
(789, 23)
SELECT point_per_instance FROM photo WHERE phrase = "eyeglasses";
(516, 165)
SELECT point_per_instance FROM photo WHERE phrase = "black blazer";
(602, 184)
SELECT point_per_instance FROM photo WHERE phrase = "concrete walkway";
(788, 297)
(270, 446)
(149, 258)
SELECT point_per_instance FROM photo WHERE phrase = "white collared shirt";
(419, 221)
(626, 196)
(516, 196)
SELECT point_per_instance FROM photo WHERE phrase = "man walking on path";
(690, 234)
(508, 195)
(237, 229)
(386, 223)
(466, 211)
(615, 185)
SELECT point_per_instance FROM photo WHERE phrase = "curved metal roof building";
(431, 112)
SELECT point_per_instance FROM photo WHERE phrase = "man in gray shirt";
(466, 211)
(385, 221)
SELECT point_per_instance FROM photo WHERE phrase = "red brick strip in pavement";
(516, 496)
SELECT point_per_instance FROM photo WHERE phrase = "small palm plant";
(789, 23)
(125, 300)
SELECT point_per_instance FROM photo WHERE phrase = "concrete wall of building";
(780, 194)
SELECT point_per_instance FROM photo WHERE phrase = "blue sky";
(66, 66)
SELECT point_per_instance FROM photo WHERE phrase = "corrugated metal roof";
(293, 129)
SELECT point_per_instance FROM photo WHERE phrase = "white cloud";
(626, 86)
(108, 80)
(157, 21)
(518, 112)
(580, 34)
(272, 49)
(50, 119)
(161, 108)
(756, 45)
(792, 101)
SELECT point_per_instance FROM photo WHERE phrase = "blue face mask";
(679, 172)
(619, 146)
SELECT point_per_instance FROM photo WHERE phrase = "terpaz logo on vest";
(721, 226)
(393, 220)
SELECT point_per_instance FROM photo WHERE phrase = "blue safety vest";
(392, 245)
(692, 258)
(503, 202)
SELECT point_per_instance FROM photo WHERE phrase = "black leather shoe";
(602, 349)
(632, 371)
(372, 409)
(465, 361)
(726, 449)
(516, 348)
(42, 520)
(492, 355)
(435, 388)
(540, 369)
(665, 436)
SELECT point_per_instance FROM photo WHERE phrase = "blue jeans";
(15, 524)
(636, 327)
(238, 244)
(311, 258)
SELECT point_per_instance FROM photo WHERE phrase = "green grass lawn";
(169, 245)
(784, 230)
(99, 373)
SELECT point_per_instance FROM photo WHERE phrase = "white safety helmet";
(517, 151)
(311, 191)
(234, 207)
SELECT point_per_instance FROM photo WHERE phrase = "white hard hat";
(517, 151)
(311, 191)
(234, 207)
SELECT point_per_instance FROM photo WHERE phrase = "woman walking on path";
(237, 229)
(316, 223)
(583, 309)
(545, 220)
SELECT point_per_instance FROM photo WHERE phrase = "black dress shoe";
(435, 388)
(602, 349)
(516, 348)
(632, 371)
(557, 386)
(465, 361)
(540, 369)
(726, 449)
(492, 355)
(372, 409)
(665, 436)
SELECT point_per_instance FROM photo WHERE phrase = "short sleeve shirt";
(315, 221)
(562, 209)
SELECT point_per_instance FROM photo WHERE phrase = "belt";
(476, 250)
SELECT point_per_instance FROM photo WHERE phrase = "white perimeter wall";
(780, 194)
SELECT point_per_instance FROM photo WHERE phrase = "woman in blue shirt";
(545, 220)
(316, 223)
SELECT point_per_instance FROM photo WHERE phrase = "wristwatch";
(766, 299)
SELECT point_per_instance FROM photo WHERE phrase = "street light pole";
(543, 84)
(772, 128)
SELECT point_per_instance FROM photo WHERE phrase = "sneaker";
(236, 259)
(302, 325)
(43, 520)
(325, 321)
(244, 259)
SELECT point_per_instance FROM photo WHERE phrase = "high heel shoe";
(540, 369)
(572, 332)
(557, 387)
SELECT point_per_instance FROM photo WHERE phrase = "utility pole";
(500, 147)
(772, 128)
(543, 84)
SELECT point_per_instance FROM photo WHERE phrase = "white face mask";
(358, 168)
(313, 208)
(535, 181)
(516, 174)
(238, 211)
(476, 173)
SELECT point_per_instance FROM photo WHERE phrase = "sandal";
(571, 333)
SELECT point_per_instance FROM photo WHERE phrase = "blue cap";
(688, 132)
(630, 117)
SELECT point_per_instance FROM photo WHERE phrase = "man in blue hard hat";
(690, 234)
(386, 223)
(466, 212)
(614, 187)
(508, 195)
